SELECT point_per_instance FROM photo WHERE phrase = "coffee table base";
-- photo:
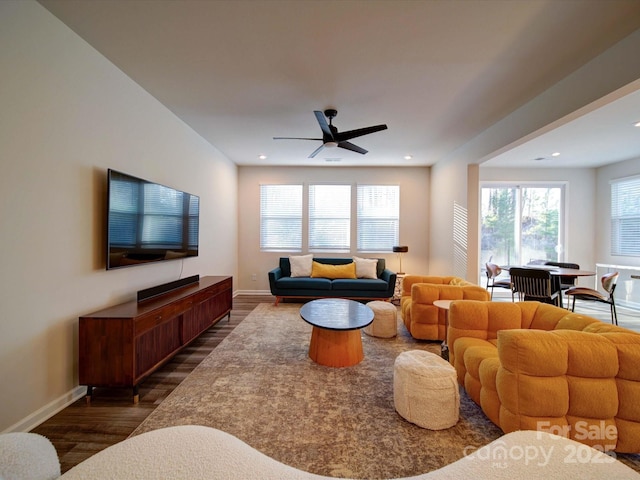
(335, 348)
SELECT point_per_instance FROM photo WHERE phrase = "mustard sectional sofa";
(424, 320)
(535, 366)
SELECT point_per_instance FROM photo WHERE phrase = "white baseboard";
(42, 414)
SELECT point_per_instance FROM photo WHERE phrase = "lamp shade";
(401, 249)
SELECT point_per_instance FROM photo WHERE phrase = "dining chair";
(565, 281)
(534, 284)
(608, 281)
(493, 272)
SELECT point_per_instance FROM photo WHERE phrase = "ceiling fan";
(332, 138)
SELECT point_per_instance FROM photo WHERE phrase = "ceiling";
(437, 72)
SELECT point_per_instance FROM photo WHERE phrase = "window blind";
(281, 217)
(625, 217)
(329, 218)
(378, 217)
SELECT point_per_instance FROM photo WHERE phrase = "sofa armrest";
(389, 276)
(274, 275)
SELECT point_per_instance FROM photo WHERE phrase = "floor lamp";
(400, 250)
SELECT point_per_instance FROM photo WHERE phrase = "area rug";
(260, 385)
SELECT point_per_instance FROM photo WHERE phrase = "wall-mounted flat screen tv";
(148, 222)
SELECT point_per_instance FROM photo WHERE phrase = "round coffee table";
(335, 339)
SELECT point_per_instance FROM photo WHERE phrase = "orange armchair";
(535, 366)
(424, 320)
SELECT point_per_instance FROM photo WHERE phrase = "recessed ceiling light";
(539, 159)
(408, 157)
(555, 154)
(262, 157)
(637, 124)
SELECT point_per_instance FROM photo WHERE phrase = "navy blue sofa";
(284, 286)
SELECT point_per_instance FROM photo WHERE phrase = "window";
(522, 224)
(625, 216)
(378, 217)
(329, 218)
(281, 218)
(333, 215)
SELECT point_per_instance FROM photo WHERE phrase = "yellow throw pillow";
(323, 270)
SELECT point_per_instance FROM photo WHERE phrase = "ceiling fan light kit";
(331, 138)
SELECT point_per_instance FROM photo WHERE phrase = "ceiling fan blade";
(349, 134)
(352, 147)
(323, 124)
(296, 138)
(316, 151)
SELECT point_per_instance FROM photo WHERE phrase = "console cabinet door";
(208, 307)
(156, 345)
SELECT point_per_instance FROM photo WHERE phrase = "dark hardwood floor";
(81, 429)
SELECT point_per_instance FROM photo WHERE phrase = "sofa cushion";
(457, 353)
(473, 357)
(489, 399)
(367, 284)
(322, 270)
(304, 283)
(301, 265)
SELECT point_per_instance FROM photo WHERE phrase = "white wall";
(414, 220)
(603, 211)
(611, 70)
(67, 114)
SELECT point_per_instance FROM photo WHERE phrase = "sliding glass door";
(522, 224)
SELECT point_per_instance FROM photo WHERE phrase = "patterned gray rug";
(260, 385)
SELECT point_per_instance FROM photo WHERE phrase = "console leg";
(89, 393)
(136, 394)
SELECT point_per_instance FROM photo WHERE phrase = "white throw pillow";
(366, 267)
(301, 265)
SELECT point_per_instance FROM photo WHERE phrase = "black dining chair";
(535, 284)
(566, 282)
(608, 282)
(493, 272)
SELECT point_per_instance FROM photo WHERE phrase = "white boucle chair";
(27, 456)
(204, 453)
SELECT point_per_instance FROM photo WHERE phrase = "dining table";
(560, 272)
(555, 271)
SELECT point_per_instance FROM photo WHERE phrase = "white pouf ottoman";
(385, 320)
(425, 390)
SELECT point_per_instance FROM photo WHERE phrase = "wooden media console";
(121, 345)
